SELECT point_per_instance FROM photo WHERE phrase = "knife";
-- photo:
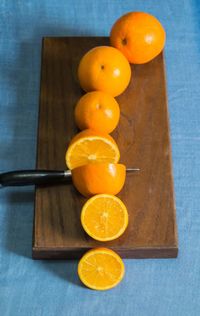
(39, 177)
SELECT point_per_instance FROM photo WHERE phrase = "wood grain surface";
(144, 142)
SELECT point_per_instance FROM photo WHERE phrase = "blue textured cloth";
(150, 287)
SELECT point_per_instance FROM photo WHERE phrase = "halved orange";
(97, 178)
(90, 146)
(101, 269)
(104, 217)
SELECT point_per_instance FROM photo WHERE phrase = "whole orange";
(97, 178)
(104, 68)
(139, 36)
(97, 110)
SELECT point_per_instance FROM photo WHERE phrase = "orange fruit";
(104, 68)
(101, 269)
(90, 146)
(97, 178)
(139, 36)
(104, 217)
(97, 110)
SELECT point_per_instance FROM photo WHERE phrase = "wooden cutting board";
(144, 142)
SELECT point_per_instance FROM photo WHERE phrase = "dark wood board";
(144, 142)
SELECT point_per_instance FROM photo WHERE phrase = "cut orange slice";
(89, 146)
(104, 217)
(101, 269)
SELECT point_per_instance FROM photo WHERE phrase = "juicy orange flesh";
(89, 151)
(105, 218)
(100, 270)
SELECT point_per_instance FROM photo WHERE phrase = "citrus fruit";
(97, 178)
(104, 68)
(90, 146)
(101, 269)
(139, 36)
(104, 217)
(97, 110)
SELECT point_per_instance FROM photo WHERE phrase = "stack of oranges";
(93, 156)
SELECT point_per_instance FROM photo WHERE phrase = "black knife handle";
(31, 177)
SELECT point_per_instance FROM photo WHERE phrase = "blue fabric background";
(150, 287)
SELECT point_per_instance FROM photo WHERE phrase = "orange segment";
(104, 217)
(97, 178)
(89, 146)
(101, 269)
